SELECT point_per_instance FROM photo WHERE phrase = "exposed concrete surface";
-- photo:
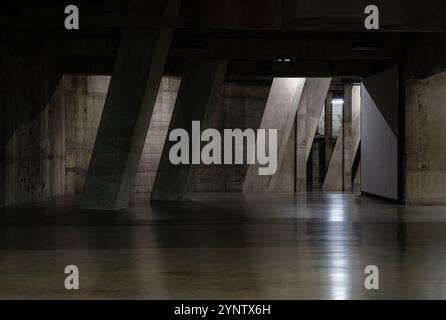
(425, 140)
(196, 101)
(31, 142)
(279, 114)
(84, 98)
(129, 105)
(356, 118)
(347, 139)
(339, 174)
(241, 105)
(328, 129)
(156, 136)
(34, 150)
(308, 115)
(333, 178)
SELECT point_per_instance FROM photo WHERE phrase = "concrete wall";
(48, 152)
(241, 105)
(379, 134)
(425, 152)
(31, 124)
(84, 98)
(49, 155)
(159, 125)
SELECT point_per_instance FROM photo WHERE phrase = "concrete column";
(328, 129)
(196, 101)
(333, 178)
(129, 104)
(308, 115)
(347, 149)
(280, 112)
(339, 172)
(301, 143)
(356, 132)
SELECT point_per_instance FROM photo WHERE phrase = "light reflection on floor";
(274, 246)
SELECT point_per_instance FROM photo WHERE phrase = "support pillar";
(347, 150)
(328, 129)
(301, 143)
(196, 101)
(308, 116)
(280, 112)
(129, 104)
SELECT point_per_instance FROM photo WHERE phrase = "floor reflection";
(275, 246)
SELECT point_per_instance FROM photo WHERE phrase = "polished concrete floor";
(226, 246)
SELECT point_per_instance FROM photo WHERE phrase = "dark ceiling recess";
(190, 39)
(367, 44)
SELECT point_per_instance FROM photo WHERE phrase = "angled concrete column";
(280, 112)
(347, 138)
(333, 178)
(129, 104)
(196, 101)
(339, 174)
(328, 129)
(356, 130)
(308, 115)
(301, 143)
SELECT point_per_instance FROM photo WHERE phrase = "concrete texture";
(225, 246)
(279, 114)
(379, 134)
(308, 115)
(129, 104)
(30, 125)
(333, 177)
(356, 118)
(328, 129)
(83, 99)
(347, 139)
(156, 136)
(425, 145)
(32, 143)
(196, 101)
(339, 175)
(241, 105)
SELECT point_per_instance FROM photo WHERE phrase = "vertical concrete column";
(196, 101)
(347, 150)
(328, 129)
(279, 114)
(129, 104)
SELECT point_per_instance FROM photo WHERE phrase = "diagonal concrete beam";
(308, 115)
(196, 101)
(129, 104)
(302, 112)
(333, 178)
(280, 112)
(339, 174)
